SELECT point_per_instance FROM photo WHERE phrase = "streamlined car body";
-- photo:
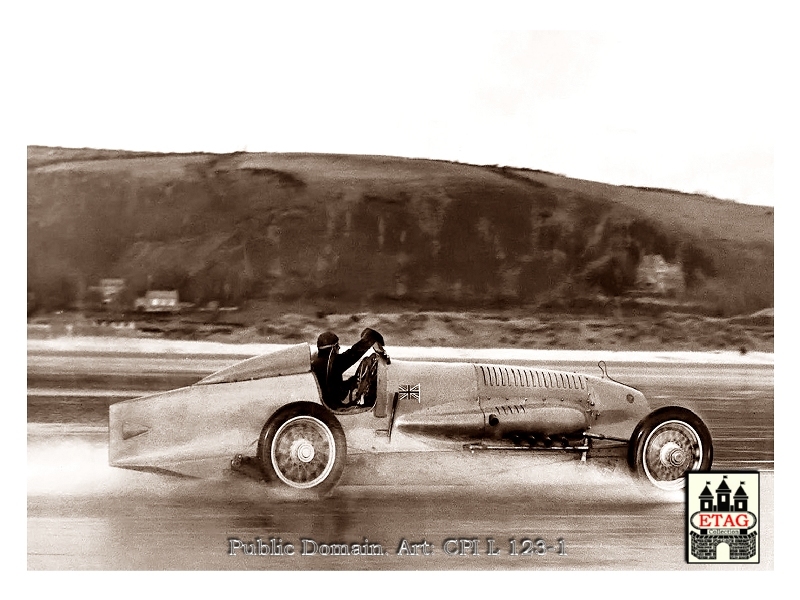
(269, 411)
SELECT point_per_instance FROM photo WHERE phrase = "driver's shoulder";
(353, 354)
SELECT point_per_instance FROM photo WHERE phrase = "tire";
(668, 443)
(303, 448)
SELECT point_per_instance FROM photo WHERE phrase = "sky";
(691, 109)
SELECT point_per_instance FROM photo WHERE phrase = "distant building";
(109, 293)
(111, 290)
(656, 276)
(159, 301)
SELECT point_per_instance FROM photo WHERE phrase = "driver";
(329, 366)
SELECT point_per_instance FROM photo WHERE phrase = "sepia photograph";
(362, 298)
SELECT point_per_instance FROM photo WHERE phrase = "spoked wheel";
(667, 444)
(303, 446)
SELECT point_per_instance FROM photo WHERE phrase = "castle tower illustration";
(723, 496)
(740, 499)
(706, 499)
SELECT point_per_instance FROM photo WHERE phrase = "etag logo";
(722, 517)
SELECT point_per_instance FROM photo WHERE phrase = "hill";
(354, 232)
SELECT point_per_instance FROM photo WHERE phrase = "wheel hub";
(672, 455)
(303, 450)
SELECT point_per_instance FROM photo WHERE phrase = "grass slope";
(357, 231)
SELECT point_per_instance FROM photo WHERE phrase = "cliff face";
(357, 229)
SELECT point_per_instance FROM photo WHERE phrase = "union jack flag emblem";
(409, 392)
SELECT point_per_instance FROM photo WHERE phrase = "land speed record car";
(267, 413)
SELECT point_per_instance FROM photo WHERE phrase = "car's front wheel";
(303, 447)
(668, 443)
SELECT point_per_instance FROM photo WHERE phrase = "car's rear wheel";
(303, 447)
(668, 443)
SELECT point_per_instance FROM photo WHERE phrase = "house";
(159, 301)
(656, 276)
(111, 290)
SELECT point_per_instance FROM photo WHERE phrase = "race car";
(269, 412)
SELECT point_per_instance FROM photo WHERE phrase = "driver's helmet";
(327, 340)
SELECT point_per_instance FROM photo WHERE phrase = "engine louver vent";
(520, 377)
